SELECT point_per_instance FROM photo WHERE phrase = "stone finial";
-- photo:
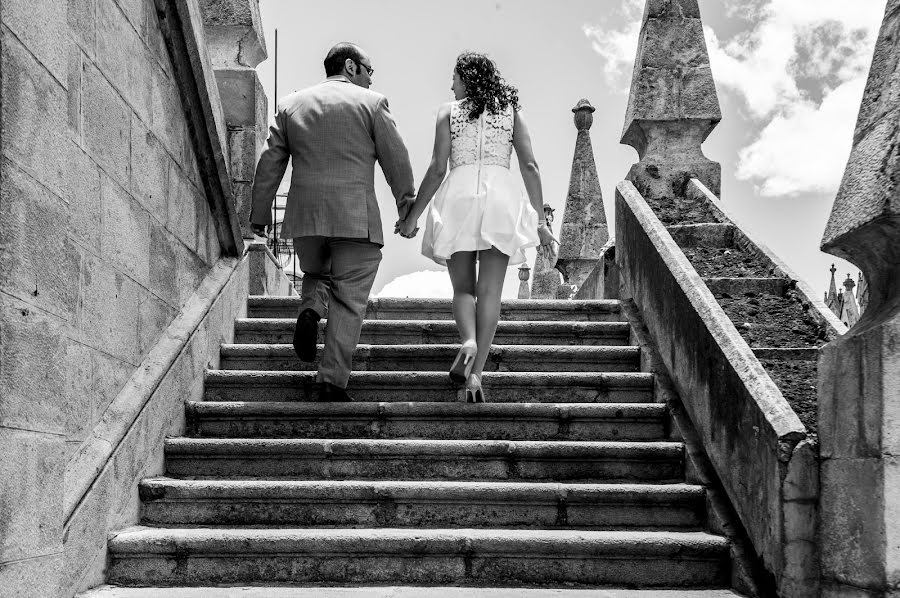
(524, 289)
(584, 230)
(859, 377)
(673, 105)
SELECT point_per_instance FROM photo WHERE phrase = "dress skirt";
(473, 211)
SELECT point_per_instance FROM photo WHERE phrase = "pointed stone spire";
(849, 308)
(673, 104)
(546, 277)
(584, 230)
(832, 299)
(862, 294)
(859, 385)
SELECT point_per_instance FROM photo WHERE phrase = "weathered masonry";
(693, 418)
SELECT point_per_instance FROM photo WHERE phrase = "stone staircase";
(566, 477)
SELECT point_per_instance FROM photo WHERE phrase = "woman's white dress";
(480, 204)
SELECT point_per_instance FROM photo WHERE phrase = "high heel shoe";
(463, 363)
(474, 393)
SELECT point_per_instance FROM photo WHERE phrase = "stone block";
(149, 171)
(155, 316)
(213, 249)
(79, 396)
(74, 92)
(167, 117)
(183, 199)
(234, 32)
(242, 96)
(136, 13)
(110, 376)
(800, 522)
(852, 530)
(153, 36)
(234, 13)
(125, 240)
(699, 99)
(243, 198)
(34, 113)
(189, 273)
(686, 9)
(87, 529)
(882, 92)
(31, 503)
(122, 56)
(34, 578)
(38, 263)
(163, 264)
(107, 125)
(242, 148)
(110, 312)
(85, 211)
(802, 479)
(673, 43)
(869, 188)
(82, 15)
(41, 26)
(654, 95)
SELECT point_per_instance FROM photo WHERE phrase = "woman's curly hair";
(485, 88)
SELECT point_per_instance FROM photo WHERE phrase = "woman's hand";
(545, 236)
(408, 228)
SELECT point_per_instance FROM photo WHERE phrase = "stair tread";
(414, 409)
(140, 540)
(506, 325)
(280, 349)
(504, 379)
(445, 304)
(344, 490)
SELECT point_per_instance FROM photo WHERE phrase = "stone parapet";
(859, 373)
(753, 438)
(673, 105)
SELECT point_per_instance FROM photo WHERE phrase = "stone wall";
(105, 235)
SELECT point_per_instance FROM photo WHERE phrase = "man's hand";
(405, 206)
(259, 230)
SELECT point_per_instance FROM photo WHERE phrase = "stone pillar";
(673, 104)
(546, 277)
(584, 229)
(236, 45)
(859, 373)
(524, 289)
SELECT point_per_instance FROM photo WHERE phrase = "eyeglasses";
(369, 69)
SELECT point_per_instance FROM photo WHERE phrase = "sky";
(789, 76)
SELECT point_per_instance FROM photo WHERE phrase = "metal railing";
(283, 249)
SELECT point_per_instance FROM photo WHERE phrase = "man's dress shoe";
(306, 331)
(329, 393)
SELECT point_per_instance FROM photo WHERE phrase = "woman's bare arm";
(531, 175)
(437, 170)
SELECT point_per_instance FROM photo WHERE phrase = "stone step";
(438, 421)
(440, 309)
(196, 556)
(382, 591)
(342, 459)
(503, 358)
(499, 387)
(419, 332)
(362, 503)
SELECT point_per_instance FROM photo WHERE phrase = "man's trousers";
(338, 274)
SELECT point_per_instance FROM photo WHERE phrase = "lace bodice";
(488, 137)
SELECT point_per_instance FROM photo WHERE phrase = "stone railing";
(754, 440)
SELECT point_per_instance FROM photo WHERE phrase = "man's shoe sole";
(306, 331)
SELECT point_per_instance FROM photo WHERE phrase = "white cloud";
(436, 284)
(798, 66)
(804, 148)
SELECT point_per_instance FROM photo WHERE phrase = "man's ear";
(347, 63)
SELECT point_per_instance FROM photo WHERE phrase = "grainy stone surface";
(394, 592)
(107, 125)
(125, 238)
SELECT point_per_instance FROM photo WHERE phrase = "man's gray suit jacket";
(333, 132)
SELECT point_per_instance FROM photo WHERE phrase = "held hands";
(259, 230)
(406, 228)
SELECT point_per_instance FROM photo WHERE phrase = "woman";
(479, 212)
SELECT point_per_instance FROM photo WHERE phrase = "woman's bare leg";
(488, 290)
(462, 276)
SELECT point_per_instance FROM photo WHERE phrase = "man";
(333, 132)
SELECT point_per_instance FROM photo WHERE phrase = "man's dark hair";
(334, 62)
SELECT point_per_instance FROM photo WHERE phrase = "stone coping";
(755, 441)
(395, 592)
